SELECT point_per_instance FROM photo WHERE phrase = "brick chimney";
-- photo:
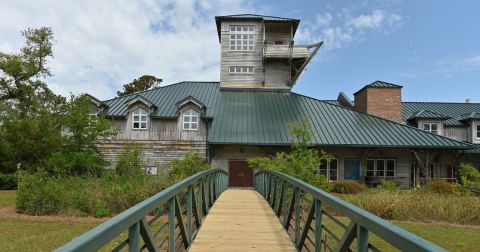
(381, 99)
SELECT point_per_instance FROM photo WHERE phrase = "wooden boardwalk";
(241, 220)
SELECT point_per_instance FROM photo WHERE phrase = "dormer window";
(190, 120)
(241, 37)
(478, 131)
(139, 119)
(431, 127)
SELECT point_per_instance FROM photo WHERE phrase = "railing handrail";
(105, 232)
(384, 229)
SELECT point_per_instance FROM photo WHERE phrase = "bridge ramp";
(241, 220)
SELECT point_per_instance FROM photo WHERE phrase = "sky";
(431, 48)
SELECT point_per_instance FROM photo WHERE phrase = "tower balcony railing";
(285, 51)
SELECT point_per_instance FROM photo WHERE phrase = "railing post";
(189, 213)
(133, 238)
(282, 195)
(318, 225)
(171, 224)
(362, 239)
(297, 214)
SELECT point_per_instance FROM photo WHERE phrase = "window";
(380, 168)
(431, 170)
(241, 70)
(431, 127)
(329, 169)
(190, 120)
(478, 130)
(241, 37)
(139, 119)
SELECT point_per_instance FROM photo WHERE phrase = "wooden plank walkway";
(241, 220)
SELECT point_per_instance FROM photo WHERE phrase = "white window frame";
(190, 114)
(328, 171)
(142, 118)
(477, 131)
(385, 170)
(430, 124)
(242, 38)
(241, 70)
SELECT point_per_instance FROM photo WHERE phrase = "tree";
(302, 162)
(21, 90)
(82, 131)
(143, 83)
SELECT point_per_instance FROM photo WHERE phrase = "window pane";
(380, 168)
(370, 167)
(186, 125)
(232, 28)
(239, 47)
(136, 117)
(232, 36)
(245, 48)
(323, 168)
(186, 118)
(194, 125)
(144, 125)
(390, 168)
(144, 118)
(333, 169)
(426, 127)
(434, 127)
(478, 130)
(136, 125)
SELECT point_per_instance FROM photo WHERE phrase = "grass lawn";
(17, 234)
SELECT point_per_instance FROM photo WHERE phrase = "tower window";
(431, 127)
(241, 37)
(241, 70)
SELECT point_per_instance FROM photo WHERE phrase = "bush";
(107, 195)
(182, 168)
(388, 185)
(439, 186)
(346, 187)
(469, 178)
(129, 162)
(8, 181)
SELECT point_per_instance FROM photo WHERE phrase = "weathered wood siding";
(163, 141)
(457, 133)
(275, 77)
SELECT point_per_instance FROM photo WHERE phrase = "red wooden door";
(240, 175)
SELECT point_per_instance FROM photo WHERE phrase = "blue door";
(351, 169)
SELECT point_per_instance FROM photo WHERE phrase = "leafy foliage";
(192, 163)
(143, 83)
(129, 162)
(8, 181)
(439, 186)
(22, 93)
(302, 162)
(388, 185)
(109, 194)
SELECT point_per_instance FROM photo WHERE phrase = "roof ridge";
(463, 103)
(404, 125)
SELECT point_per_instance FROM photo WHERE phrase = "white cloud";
(370, 21)
(452, 67)
(100, 45)
(343, 28)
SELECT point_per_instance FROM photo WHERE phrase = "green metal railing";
(311, 218)
(160, 221)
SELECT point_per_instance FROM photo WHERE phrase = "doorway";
(351, 169)
(239, 174)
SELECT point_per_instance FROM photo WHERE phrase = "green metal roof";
(165, 99)
(453, 110)
(383, 84)
(263, 117)
(427, 114)
(250, 117)
(469, 116)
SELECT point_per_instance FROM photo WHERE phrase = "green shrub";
(8, 181)
(129, 162)
(191, 164)
(40, 194)
(439, 186)
(346, 187)
(469, 178)
(388, 185)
